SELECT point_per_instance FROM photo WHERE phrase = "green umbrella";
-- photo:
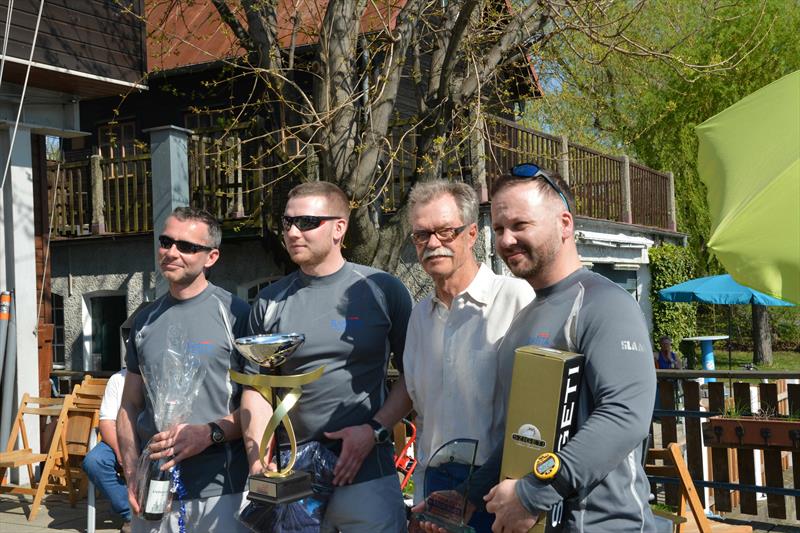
(749, 159)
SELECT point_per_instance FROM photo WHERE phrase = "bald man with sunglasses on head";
(354, 318)
(209, 446)
(598, 472)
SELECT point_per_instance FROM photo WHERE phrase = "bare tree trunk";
(762, 338)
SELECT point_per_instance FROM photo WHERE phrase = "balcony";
(238, 182)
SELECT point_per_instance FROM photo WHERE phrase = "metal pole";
(9, 377)
(730, 335)
(5, 304)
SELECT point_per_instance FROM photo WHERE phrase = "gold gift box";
(541, 414)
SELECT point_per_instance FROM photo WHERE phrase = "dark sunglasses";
(184, 247)
(304, 222)
(533, 171)
(444, 235)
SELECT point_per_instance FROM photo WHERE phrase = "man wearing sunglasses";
(599, 474)
(353, 317)
(450, 359)
(209, 446)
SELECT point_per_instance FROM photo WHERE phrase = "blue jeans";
(99, 464)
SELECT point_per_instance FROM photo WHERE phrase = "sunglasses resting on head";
(533, 171)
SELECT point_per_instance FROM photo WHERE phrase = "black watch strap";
(560, 484)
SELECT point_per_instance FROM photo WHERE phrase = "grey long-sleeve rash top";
(353, 320)
(602, 463)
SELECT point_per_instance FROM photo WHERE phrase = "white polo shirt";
(112, 397)
(450, 365)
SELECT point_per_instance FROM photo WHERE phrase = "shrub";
(670, 265)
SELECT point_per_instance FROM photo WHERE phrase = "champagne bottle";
(156, 484)
(156, 490)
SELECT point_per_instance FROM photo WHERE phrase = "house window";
(117, 140)
(103, 316)
(211, 122)
(624, 277)
(249, 292)
(58, 331)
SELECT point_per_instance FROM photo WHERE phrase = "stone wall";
(82, 269)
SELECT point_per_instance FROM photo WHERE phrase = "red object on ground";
(404, 463)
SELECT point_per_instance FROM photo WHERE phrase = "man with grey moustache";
(450, 357)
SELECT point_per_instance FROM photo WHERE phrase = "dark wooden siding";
(95, 37)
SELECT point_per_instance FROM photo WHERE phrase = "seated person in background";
(102, 463)
(665, 358)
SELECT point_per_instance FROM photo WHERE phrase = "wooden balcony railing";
(238, 179)
(605, 186)
(98, 196)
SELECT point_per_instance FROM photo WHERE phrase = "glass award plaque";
(450, 466)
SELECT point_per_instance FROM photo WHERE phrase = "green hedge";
(670, 265)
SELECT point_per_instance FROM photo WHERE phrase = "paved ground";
(54, 515)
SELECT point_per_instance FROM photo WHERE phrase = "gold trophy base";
(274, 490)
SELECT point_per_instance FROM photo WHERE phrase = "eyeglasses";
(184, 247)
(304, 222)
(533, 171)
(444, 234)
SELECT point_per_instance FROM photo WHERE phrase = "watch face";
(381, 435)
(216, 434)
(546, 466)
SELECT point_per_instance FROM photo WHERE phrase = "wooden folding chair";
(55, 460)
(83, 418)
(684, 521)
(89, 380)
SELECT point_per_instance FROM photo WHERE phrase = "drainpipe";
(5, 304)
(9, 377)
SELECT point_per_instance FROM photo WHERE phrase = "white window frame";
(243, 289)
(86, 319)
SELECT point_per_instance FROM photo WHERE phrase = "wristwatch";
(381, 433)
(217, 435)
(547, 468)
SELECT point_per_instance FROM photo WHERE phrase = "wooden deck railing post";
(98, 199)
(672, 222)
(627, 213)
(563, 159)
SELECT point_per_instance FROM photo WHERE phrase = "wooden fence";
(99, 196)
(240, 180)
(605, 186)
(69, 200)
(731, 472)
(127, 194)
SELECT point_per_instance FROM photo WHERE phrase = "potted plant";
(764, 429)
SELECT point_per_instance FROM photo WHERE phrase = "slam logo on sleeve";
(631, 346)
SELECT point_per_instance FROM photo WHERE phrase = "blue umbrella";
(717, 290)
